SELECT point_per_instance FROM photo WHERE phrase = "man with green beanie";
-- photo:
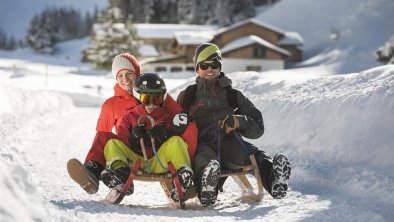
(223, 116)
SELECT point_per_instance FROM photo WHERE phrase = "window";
(259, 52)
(253, 68)
(190, 68)
(160, 69)
(176, 69)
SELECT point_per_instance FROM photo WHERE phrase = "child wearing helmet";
(121, 153)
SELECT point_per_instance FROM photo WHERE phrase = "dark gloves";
(138, 131)
(229, 123)
(159, 133)
(180, 121)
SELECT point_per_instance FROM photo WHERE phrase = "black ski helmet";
(150, 83)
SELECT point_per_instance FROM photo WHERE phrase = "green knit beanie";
(207, 52)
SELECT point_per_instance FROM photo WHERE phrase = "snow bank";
(338, 130)
(21, 113)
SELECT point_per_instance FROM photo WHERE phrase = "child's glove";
(229, 123)
(138, 131)
(159, 134)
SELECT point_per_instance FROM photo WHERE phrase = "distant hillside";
(15, 15)
(363, 26)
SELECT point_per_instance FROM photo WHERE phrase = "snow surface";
(336, 127)
(336, 130)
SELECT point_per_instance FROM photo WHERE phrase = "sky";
(334, 126)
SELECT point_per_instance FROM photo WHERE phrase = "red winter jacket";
(131, 119)
(114, 109)
(112, 113)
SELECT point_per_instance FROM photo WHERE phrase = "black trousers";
(232, 155)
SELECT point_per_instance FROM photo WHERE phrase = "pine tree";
(40, 35)
(3, 39)
(115, 37)
(185, 11)
(205, 9)
(385, 54)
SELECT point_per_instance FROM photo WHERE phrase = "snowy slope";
(364, 25)
(335, 125)
(336, 130)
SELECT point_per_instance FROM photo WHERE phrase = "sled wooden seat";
(165, 177)
(239, 176)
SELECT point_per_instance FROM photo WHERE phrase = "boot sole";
(81, 176)
(282, 171)
(210, 178)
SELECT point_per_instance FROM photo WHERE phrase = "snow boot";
(113, 178)
(209, 184)
(85, 175)
(281, 171)
(185, 175)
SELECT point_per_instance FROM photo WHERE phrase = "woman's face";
(126, 79)
(208, 69)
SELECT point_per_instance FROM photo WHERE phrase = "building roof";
(160, 59)
(193, 38)
(148, 50)
(167, 31)
(292, 38)
(249, 40)
(255, 21)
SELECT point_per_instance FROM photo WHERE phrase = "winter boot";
(209, 184)
(85, 175)
(281, 171)
(185, 175)
(113, 178)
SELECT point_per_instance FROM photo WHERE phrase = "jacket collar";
(121, 92)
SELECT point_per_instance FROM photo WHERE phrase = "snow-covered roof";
(292, 38)
(148, 50)
(159, 58)
(193, 38)
(249, 40)
(167, 31)
(243, 22)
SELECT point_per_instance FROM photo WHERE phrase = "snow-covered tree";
(185, 11)
(3, 39)
(113, 36)
(385, 54)
(41, 35)
(205, 11)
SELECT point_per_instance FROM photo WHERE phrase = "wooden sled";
(115, 196)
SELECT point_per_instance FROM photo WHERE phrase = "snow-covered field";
(332, 116)
(336, 129)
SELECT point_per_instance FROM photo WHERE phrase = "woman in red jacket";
(125, 69)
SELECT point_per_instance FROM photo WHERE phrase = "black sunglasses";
(214, 65)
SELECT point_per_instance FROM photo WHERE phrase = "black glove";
(179, 122)
(138, 131)
(159, 134)
(229, 123)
